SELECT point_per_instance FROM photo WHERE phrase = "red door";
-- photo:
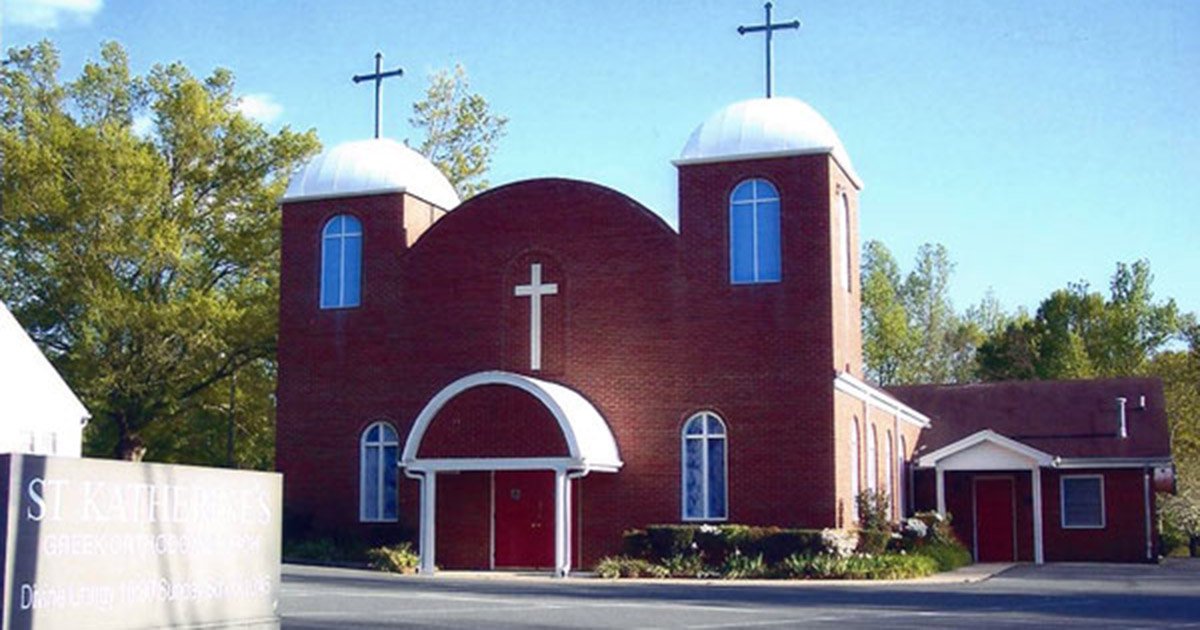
(995, 527)
(525, 519)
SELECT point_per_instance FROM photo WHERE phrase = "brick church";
(519, 378)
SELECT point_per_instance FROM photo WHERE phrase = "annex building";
(519, 378)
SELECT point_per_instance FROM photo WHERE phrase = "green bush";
(635, 543)
(874, 520)
(717, 542)
(948, 555)
(689, 565)
(775, 544)
(399, 558)
(625, 567)
(743, 567)
(318, 549)
(669, 541)
(889, 566)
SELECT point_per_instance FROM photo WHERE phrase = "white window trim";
(844, 224)
(754, 202)
(1062, 502)
(855, 469)
(703, 437)
(379, 490)
(872, 458)
(343, 235)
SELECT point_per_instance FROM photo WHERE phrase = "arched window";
(379, 457)
(872, 461)
(704, 473)
(844, 228)
(890, 464)
(902, 478)
(341, 262)
(754, 233)
(854, 470)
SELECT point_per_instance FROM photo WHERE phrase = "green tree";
(1077, 333)
(888, 341)
(146, 265)
(911, 333)
(460, 130)
(1179, 371)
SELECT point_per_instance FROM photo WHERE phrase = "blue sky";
(1041, 142)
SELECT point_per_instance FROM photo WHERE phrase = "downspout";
(1122, 430)
(571, 476)
(1146, 504)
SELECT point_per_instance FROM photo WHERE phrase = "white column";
(941, 490)
(428, 542)
(1036, 476)
(562, 524)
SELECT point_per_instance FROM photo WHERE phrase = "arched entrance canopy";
(590, 443)
(590, 447)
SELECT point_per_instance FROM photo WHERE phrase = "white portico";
(590, 447)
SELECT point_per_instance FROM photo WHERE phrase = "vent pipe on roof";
(1122, 432)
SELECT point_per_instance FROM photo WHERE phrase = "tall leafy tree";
(1077, 333)
(889, 342)
(145, 263)
(460, 130)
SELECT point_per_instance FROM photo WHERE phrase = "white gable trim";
(590, 443)
(979, 442)
(848, 384)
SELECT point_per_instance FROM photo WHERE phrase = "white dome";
(764, 127)
(371, 167)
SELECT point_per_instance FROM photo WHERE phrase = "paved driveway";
(1052, 596)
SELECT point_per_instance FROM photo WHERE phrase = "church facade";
(520, 378)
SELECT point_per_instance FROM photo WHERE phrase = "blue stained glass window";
(379, 455)
(705, 478)
(341, 262)
(754, 241)
(716, 478)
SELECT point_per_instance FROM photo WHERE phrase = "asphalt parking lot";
(1024, 596)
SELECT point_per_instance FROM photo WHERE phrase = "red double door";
(995, 520)
(524, 503)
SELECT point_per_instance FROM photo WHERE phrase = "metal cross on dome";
(378, 78)
(768, 29)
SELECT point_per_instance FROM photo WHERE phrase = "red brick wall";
(1123, 538)
(493, 421)
(646, 325)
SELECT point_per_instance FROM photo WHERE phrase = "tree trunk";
(130, 448)
(1194, 545)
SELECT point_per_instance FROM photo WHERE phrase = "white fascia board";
(846, 383)
(366, 192)
(1072, 463)
(1039, 457)
(467, 464)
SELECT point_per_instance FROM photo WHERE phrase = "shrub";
(948, 556)
(625, 567)
(687, 565)
(938, 527)
(874, 516)
(889, 566)
(669, 541)
(740, 567)
(775, 544)
(838, 542)
(635, 543)
(399, 558)
(318, 549)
